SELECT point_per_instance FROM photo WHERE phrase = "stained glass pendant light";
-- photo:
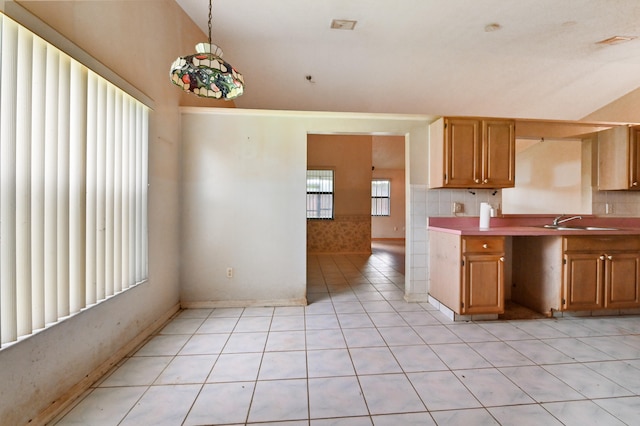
(206, 74)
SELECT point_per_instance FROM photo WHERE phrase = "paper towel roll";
(485, 214)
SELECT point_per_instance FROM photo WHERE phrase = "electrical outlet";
(608, 208)
(457, 208)
(229, 272)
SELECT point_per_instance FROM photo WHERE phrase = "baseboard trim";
(316, 253)
(244, 303)
(59, 405)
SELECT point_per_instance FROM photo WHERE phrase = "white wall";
(243, 201)
(549, 179)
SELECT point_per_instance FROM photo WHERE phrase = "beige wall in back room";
(138, 40)
(350, 157)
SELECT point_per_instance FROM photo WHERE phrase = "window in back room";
(320, 194)
(380, 197)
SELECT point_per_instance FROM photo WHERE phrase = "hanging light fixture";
(206, 74)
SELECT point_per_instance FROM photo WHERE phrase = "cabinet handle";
(485, 245)
(477, 181)
(609, 257)
(485, 181)
(634, 184)
(602, 257)
(501, 258)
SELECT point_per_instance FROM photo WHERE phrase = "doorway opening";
(373, 245)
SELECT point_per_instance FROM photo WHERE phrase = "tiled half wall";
(344, 234)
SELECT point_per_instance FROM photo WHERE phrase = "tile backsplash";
(440, 202)
(621, 203)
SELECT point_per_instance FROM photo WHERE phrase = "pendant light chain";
(205, 73)
(210, 17)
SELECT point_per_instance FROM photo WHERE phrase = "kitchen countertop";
(518, 225)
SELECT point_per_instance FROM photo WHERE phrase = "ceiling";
(431, 57)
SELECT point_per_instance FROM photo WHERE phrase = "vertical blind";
(73, 185)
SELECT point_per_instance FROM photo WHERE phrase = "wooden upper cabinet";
(462, 152)
(472, 153)
(619, 158)
(500, 153)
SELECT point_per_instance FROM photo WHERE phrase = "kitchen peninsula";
(589, 266)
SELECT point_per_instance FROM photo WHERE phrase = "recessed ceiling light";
(492, 27)
(616, 40)
(343, 24)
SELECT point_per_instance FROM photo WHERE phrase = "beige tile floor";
(359, 355)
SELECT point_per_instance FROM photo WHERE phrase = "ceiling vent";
(615, 40)
(343, 24)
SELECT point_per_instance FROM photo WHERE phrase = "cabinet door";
(462, 153)
(583, 281)
(622, 273)
(499, 158)
(619, 158)
(483, 284)
(634, 158)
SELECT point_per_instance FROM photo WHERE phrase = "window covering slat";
(144, 204)
(117, 195)
(140, 191)
(23, 183)
(8, 65)
(92, 185)
(125, 230)
(38, 109)
(101, 183)
(51, 189)
(109, 195)
(77, 190)
(62, 251)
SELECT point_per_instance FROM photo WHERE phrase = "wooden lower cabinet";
(622, 281)
(466, 274)
(483, 283)
(583, 282)
(601, 272)
(602, 280)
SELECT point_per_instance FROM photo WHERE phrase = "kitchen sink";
(579, 228)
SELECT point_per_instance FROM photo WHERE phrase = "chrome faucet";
(558, 220)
